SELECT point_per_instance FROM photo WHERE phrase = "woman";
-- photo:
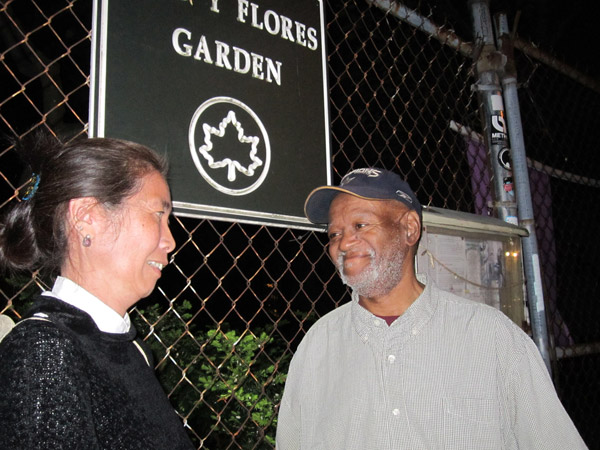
(73, 375)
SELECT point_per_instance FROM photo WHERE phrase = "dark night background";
(251, 274)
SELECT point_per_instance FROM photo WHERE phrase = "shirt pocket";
(471, 423)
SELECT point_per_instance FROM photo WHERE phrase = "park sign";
(234, 92)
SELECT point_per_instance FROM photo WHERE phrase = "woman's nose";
(168, 240)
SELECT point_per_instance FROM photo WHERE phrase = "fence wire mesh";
(236, 300)
(558, 120)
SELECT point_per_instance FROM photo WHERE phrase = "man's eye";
(333, 235)
(358, 226)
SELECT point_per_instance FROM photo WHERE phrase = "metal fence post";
(531, 261)
(491, 65)
(500, 125)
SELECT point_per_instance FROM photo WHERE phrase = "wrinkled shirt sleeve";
(289, 422)
(536, 414)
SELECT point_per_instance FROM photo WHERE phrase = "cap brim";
(318, 202)
(316, 207)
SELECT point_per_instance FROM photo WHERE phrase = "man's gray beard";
(383, 273)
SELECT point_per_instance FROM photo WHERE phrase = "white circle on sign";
(202, 155)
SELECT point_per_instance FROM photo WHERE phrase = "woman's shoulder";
(36, 332)
(39, 338)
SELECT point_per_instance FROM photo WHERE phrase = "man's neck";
(398, 300)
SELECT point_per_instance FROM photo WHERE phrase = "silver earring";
(87, 240)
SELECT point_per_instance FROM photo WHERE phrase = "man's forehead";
(367, 203)
(344, 204)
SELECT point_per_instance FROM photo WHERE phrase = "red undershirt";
(388, 319)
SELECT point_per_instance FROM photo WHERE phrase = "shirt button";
(376, 323)
(391, 359)
(414, 331)
(396, 411)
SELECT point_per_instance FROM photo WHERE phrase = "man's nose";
(348, 239)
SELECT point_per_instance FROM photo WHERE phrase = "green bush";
(224, 383)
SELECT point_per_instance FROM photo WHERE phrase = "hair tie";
(32, 187)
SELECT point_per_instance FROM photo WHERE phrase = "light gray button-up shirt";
(447, 374)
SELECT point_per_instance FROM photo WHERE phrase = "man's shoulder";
(328, 334)
(333, 317)
(332, 325)
(454, 301)
(488, 319)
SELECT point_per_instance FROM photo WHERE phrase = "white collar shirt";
(447, 374)
(105, 318)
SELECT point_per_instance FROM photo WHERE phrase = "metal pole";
(413, 18)
(531, 261)
(489, 64)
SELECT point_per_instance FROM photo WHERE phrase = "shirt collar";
(106, 318)
(409, 324)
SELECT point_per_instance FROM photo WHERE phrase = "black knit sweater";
(65, 384)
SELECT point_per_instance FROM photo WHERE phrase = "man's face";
(366, 243)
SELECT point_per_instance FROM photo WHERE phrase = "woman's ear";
(82, 215)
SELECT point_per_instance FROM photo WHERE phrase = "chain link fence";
(557, 106)
(236, 300)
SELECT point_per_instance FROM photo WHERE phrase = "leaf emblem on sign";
(233, 166)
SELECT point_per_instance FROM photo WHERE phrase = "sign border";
(96, 124)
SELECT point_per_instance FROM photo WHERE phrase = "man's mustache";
(342, 256)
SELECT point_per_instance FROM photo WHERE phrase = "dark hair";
(33, 233)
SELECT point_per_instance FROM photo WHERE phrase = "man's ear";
(412, 227)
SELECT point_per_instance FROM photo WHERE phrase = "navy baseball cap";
(368, 183)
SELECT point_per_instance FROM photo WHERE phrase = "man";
(404, 365)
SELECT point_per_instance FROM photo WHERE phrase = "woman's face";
(135, 245)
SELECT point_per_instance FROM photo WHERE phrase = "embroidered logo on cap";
(404, 195)
(371, 173)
